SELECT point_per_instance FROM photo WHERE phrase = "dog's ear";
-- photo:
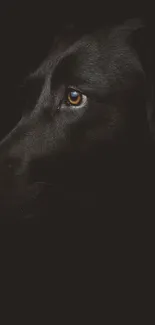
(134, 24)
(141, 41)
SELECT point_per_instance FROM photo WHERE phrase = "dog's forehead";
(87, 45)
(65, 45)
(102, 34)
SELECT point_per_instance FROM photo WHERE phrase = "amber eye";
(74, 97)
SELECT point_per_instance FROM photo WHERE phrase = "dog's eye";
(74, 97)
(73, 100)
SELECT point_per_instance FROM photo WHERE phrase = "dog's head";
(86, 98)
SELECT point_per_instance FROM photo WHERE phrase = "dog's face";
(87, 96)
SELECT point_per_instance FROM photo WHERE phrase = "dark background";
(26, 33)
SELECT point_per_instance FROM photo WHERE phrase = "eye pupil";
(74, 94)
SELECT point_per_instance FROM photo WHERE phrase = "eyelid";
(76, 89)
(86, 92)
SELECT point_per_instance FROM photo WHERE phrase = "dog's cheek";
(100, 124)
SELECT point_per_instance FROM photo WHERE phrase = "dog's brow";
(57, 56)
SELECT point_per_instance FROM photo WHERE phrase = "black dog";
(84, 106)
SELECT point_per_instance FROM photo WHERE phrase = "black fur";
(60, 162)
